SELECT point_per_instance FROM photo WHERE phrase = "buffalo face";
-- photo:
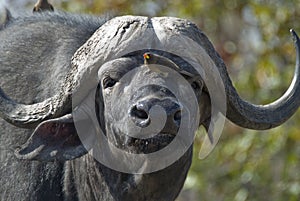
(141, 114)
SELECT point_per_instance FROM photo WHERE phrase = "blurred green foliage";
(253, 38)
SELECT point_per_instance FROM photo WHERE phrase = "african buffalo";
(51, 62)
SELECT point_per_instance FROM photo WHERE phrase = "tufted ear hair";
(54, 139)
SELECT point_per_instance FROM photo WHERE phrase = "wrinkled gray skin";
(37, 51)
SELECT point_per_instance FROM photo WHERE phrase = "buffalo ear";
(205, 117)
(54, 139)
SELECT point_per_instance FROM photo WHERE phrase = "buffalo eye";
(196, 85)
(108, 82)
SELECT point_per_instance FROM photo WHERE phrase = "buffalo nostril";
(139, 113)
(139, 116)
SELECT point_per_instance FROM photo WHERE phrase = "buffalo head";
(123, 70)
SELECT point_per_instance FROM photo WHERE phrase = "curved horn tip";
(294, 34)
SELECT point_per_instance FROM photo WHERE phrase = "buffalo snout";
(139, 113)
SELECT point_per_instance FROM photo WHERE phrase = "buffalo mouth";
(142, 146)
(152, 144)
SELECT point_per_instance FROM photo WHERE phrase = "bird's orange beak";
(146, 56)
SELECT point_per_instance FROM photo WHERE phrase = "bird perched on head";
(152, 58)
(42, 5)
